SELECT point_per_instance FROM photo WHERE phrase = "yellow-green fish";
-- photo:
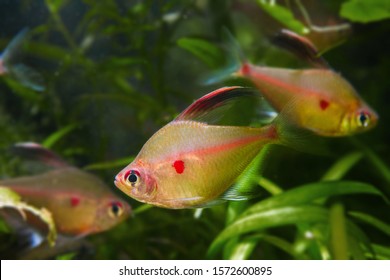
(79, 202)
(318, 99)
(190, 163)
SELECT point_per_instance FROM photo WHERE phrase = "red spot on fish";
(324, 104)
(245, 69)
(74, 201)
(179, 166)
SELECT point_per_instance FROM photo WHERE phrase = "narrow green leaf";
(55, 5)
(366, 10)
(204, 50)
(310, 192)
(67, 256)
(142, 208)
(342, 166)
(270, 186)
(355, 249)
(268, 219)
(338, 233)
(381, 252)
(376, 161)
(243, 249)
(375, 222)
(284, 16)
(110, 164)
(4, 227)
(24, 92)
(58, 135)
(361, 238)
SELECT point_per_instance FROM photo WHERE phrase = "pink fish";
(317, 99)
(81, 203)
(191, 163)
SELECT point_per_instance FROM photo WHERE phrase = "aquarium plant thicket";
(117, 71)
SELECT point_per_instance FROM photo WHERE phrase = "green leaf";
(284, 16)
(58, 135)
(10, 199)
(361, 239)
(366, 10)
(4, 227)
(204, 50)
(268, 219)
(110, 164)
(243, 249)
(142, 208)
(67, 256)
(342, 166)
(24, 92)
(339, 238)
(55, 5)
(310, 192)
(382, 226)
(381, 167)
(381, 252)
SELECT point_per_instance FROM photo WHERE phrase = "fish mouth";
(119, 183)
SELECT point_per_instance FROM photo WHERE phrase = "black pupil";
(115, 209)
(363, 118)
(133, 178)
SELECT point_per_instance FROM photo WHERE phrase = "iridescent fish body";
(317, 99)
(190, 163)
(80, 202)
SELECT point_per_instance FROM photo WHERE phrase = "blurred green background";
(117, 71)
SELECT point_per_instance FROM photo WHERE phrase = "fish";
(12, 67)
(192, 162)
(80, 203)
(318, 99)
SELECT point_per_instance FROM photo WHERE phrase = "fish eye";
(115, 210)
(132, 176)
(363, 119)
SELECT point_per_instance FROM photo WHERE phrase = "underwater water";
(101, 77)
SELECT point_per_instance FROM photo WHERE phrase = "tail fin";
(236, 59)
(24, 74)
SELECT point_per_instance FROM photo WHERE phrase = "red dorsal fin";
(215, 105)
(301, 47)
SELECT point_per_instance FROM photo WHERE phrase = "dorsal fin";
(34, 151)
(301, 47)
(212, 107)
